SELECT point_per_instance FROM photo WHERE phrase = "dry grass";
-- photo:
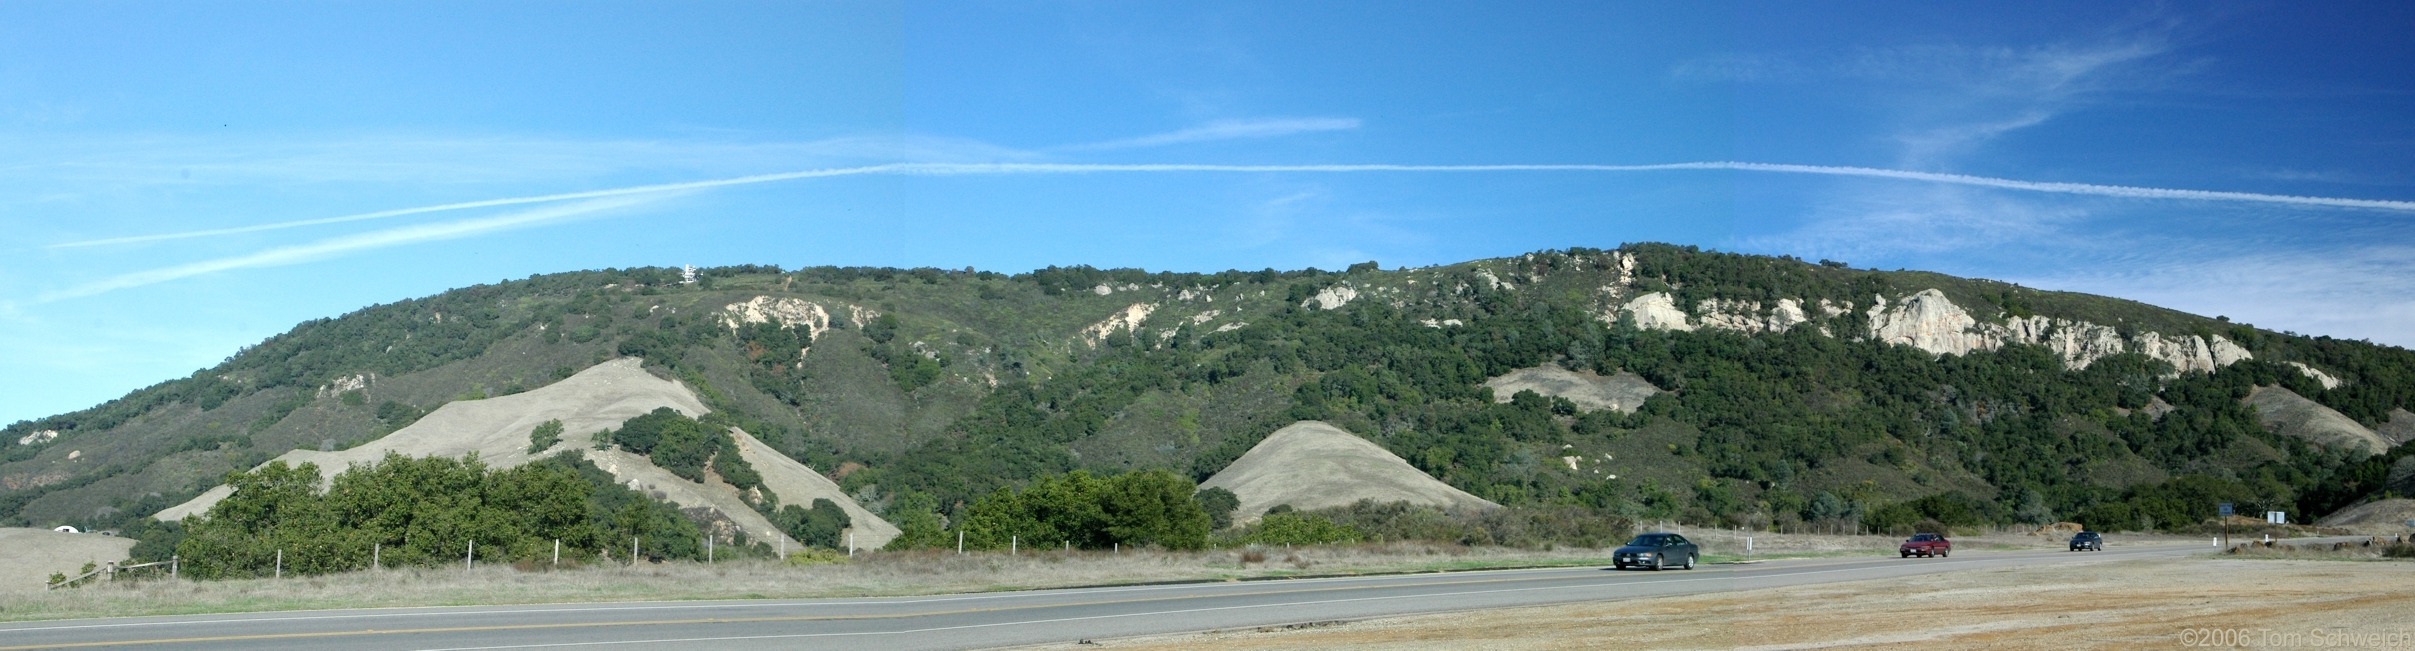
(883, 574)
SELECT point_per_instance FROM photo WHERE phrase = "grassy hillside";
(935, 387)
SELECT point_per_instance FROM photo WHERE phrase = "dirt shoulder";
(2158, 603)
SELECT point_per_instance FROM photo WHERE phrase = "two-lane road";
(979, 620)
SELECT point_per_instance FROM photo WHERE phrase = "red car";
(1927, 544)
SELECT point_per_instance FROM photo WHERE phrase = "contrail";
(411, 234)
(974, 169)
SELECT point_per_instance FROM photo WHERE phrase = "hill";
(1789, 392)
(1312, 465)
(586, 404)
(2293, 415)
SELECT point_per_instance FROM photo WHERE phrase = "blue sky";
(178, 180)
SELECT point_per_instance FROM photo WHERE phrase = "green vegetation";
(821, 526)
(685, 447)
(1134, 509)
(427, 511)
(1528, 527)
(544, 436)
(961, 386)
(1219, 504)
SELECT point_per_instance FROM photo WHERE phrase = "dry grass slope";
(2401, 427)
(2377, 516)
(29, 556)
(497, 428)
(797, 484)
(2293, 415)
(592, 400)
(1314, 465)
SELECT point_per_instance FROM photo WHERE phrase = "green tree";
(1219, 505)
(544, 436)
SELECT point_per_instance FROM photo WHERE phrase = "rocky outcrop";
(1331, 298)
(1656, 311)
(1127, 320)
(2318, 375)
(348, 383)
(783, 311)
(1746, 316)
(2078, 343)
(2185, 354)
(38, 438)
(1929, 322)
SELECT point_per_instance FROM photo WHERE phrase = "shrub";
(1298, 529)
(1219, 504)
(544, 436)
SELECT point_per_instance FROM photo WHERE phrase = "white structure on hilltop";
(687, 274)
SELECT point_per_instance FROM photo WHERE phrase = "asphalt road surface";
(983, 620)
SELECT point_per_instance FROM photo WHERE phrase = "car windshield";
(1648, 541)
(1925, 536)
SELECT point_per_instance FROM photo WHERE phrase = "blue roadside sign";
(2225, 508)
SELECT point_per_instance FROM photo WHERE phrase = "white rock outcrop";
(2319, 376)
(1655, 311)
(1927, 321)
(1129, 319)
(1331, 297)
(37, 438)
(1746, 317)
(784, 311)
(354, 382)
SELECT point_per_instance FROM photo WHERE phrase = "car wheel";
(1659, 563)
(1945, 553)
(1907, 554)
(1689, 562)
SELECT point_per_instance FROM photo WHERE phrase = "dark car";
(2088, 540)
(1657, 551)
(1927, 544)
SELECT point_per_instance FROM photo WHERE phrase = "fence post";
(851, 544)
(280, 564)
(376, 550)
(708, 549)
(633, 551)
(172, 566)
(557, 551)
(784, 548)
(959, 542)
(1013, 543)
(469, 559)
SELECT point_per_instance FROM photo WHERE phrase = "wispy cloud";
(334, 247)
(1227, 130)
(406, 158)
(993, 169)
(1945, 101)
